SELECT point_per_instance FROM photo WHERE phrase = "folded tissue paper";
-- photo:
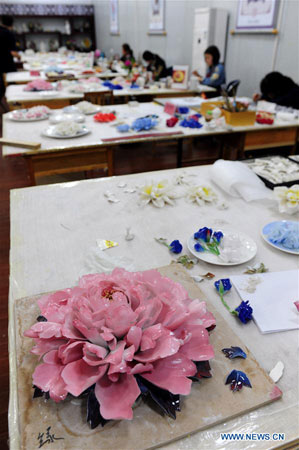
(238, 180)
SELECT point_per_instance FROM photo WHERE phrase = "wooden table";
(23, 77)
(152, 92)
(53, 242)
(18, 98)
(55, 154)
(86, 152)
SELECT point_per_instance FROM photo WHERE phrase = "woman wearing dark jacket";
(156, 65)
(279, 89)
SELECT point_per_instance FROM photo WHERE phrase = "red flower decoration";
(104, 117)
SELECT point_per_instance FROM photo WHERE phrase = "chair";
(232, 87)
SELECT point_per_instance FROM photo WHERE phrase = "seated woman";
(215, 75)
(156, 65)
(279, 89)
(127, 54)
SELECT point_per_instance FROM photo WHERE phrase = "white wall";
(249, 57)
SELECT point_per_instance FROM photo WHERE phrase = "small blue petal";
(176, 247)
(237, 379)
(234, 352)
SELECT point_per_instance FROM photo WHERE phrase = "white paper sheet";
(273, 299)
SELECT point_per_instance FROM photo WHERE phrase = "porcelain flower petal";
(116, 399)
(171, 374)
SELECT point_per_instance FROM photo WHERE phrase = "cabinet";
(68, 25)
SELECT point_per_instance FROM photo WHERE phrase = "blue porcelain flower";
(144, 123)
(224, 285)
(123, 128)
(175, 247)
(234, 352)
(198, 247)
(217, 236)
(183, 109)
(112, 86)
(204, 233)
(244, 311)
(237, 380)
(190, 123)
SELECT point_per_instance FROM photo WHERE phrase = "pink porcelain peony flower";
(114, 327)
(38, 85)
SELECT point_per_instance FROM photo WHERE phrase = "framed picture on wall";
(157, 17)
(114, 21)
(257, 15)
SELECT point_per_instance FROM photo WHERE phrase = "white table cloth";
(101, 131)
(53, 242)
(24, 76)
(15, 93)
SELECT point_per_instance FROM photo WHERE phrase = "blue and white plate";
(280, 225)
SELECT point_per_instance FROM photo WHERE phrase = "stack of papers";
(272, 300)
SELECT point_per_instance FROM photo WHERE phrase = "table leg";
(30, 168)
(233, 146)
(180, 153)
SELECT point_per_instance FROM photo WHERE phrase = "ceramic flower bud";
(223, 286)
(204, 234)
(175, 247)
(244, 311)
(217, 236)
(198, 247)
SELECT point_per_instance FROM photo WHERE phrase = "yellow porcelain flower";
(288, 198)
(159, 194)
(201, 195)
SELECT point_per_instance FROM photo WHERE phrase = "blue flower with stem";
(207, 240)
(175, 246)
(243, 311)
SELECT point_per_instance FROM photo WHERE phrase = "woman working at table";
(215, 75)
(280, 89)
(127, 54)
(156, 65)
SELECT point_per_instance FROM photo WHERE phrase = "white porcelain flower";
(288, 198)
(201, 195)
(159, 194)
